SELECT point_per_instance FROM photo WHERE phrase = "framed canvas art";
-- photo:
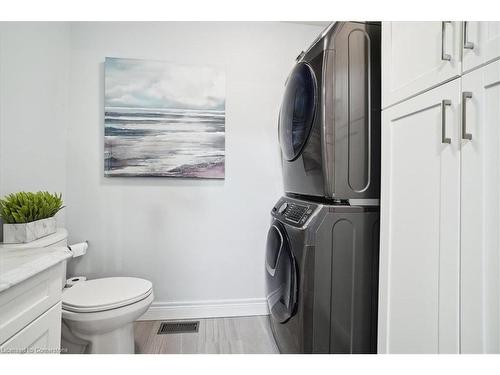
(163, 119)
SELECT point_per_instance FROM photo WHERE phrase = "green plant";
(24, 207)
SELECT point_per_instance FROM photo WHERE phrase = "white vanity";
(31, 282)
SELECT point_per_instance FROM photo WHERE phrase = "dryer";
(321, 271)
(329, 122)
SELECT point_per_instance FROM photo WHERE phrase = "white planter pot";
(27, 232)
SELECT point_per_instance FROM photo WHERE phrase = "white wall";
(196, 240)
(201, 242)
(34, 77)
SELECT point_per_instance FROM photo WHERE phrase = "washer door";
(297, 110)
(281, 275)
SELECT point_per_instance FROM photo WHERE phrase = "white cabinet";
(417, 56)
(24, 302)
(420, 223)
(43, 335)
(440, 202)
(30, 313)
(480, 202)
(481, 43)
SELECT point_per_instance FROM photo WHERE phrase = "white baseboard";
(206, 309)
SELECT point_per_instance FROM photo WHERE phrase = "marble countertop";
(17, 265)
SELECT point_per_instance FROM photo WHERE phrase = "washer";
(329, 123)
(322, 277)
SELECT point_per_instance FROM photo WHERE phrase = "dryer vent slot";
(178, 327)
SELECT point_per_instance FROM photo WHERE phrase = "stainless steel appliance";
(329, 123)
(322, 277)
(322, 246)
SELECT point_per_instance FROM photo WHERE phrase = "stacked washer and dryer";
(322, 246)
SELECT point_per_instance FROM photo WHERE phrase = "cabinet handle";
(444, 104)
(465, 95)
(467, 44)
(444, 56)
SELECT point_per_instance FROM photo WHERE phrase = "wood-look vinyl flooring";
(240, 335)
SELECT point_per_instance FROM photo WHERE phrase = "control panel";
(293, 212)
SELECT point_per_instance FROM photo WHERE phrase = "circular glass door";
(297, 110)
(281, 275)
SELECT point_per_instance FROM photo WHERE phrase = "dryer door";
(297, 110)
(281, 274)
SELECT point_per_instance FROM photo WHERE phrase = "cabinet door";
(481, 43)
(417, 56)
(480, 200)
(43, 335)
(420, 223)
(27, 300)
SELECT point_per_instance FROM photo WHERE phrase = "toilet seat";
(105, 294)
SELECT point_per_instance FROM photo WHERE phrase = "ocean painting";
(163, 119)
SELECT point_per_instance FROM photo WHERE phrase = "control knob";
(282, 208)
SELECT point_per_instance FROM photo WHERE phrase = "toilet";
(98, 315)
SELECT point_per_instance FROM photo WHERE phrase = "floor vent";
(167, 328)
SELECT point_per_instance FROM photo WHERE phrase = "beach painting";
(163, 119)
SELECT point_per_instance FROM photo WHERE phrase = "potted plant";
(28, 216)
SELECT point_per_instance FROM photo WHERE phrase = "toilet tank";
(59, 238)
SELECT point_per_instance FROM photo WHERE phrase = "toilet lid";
(105, 294)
